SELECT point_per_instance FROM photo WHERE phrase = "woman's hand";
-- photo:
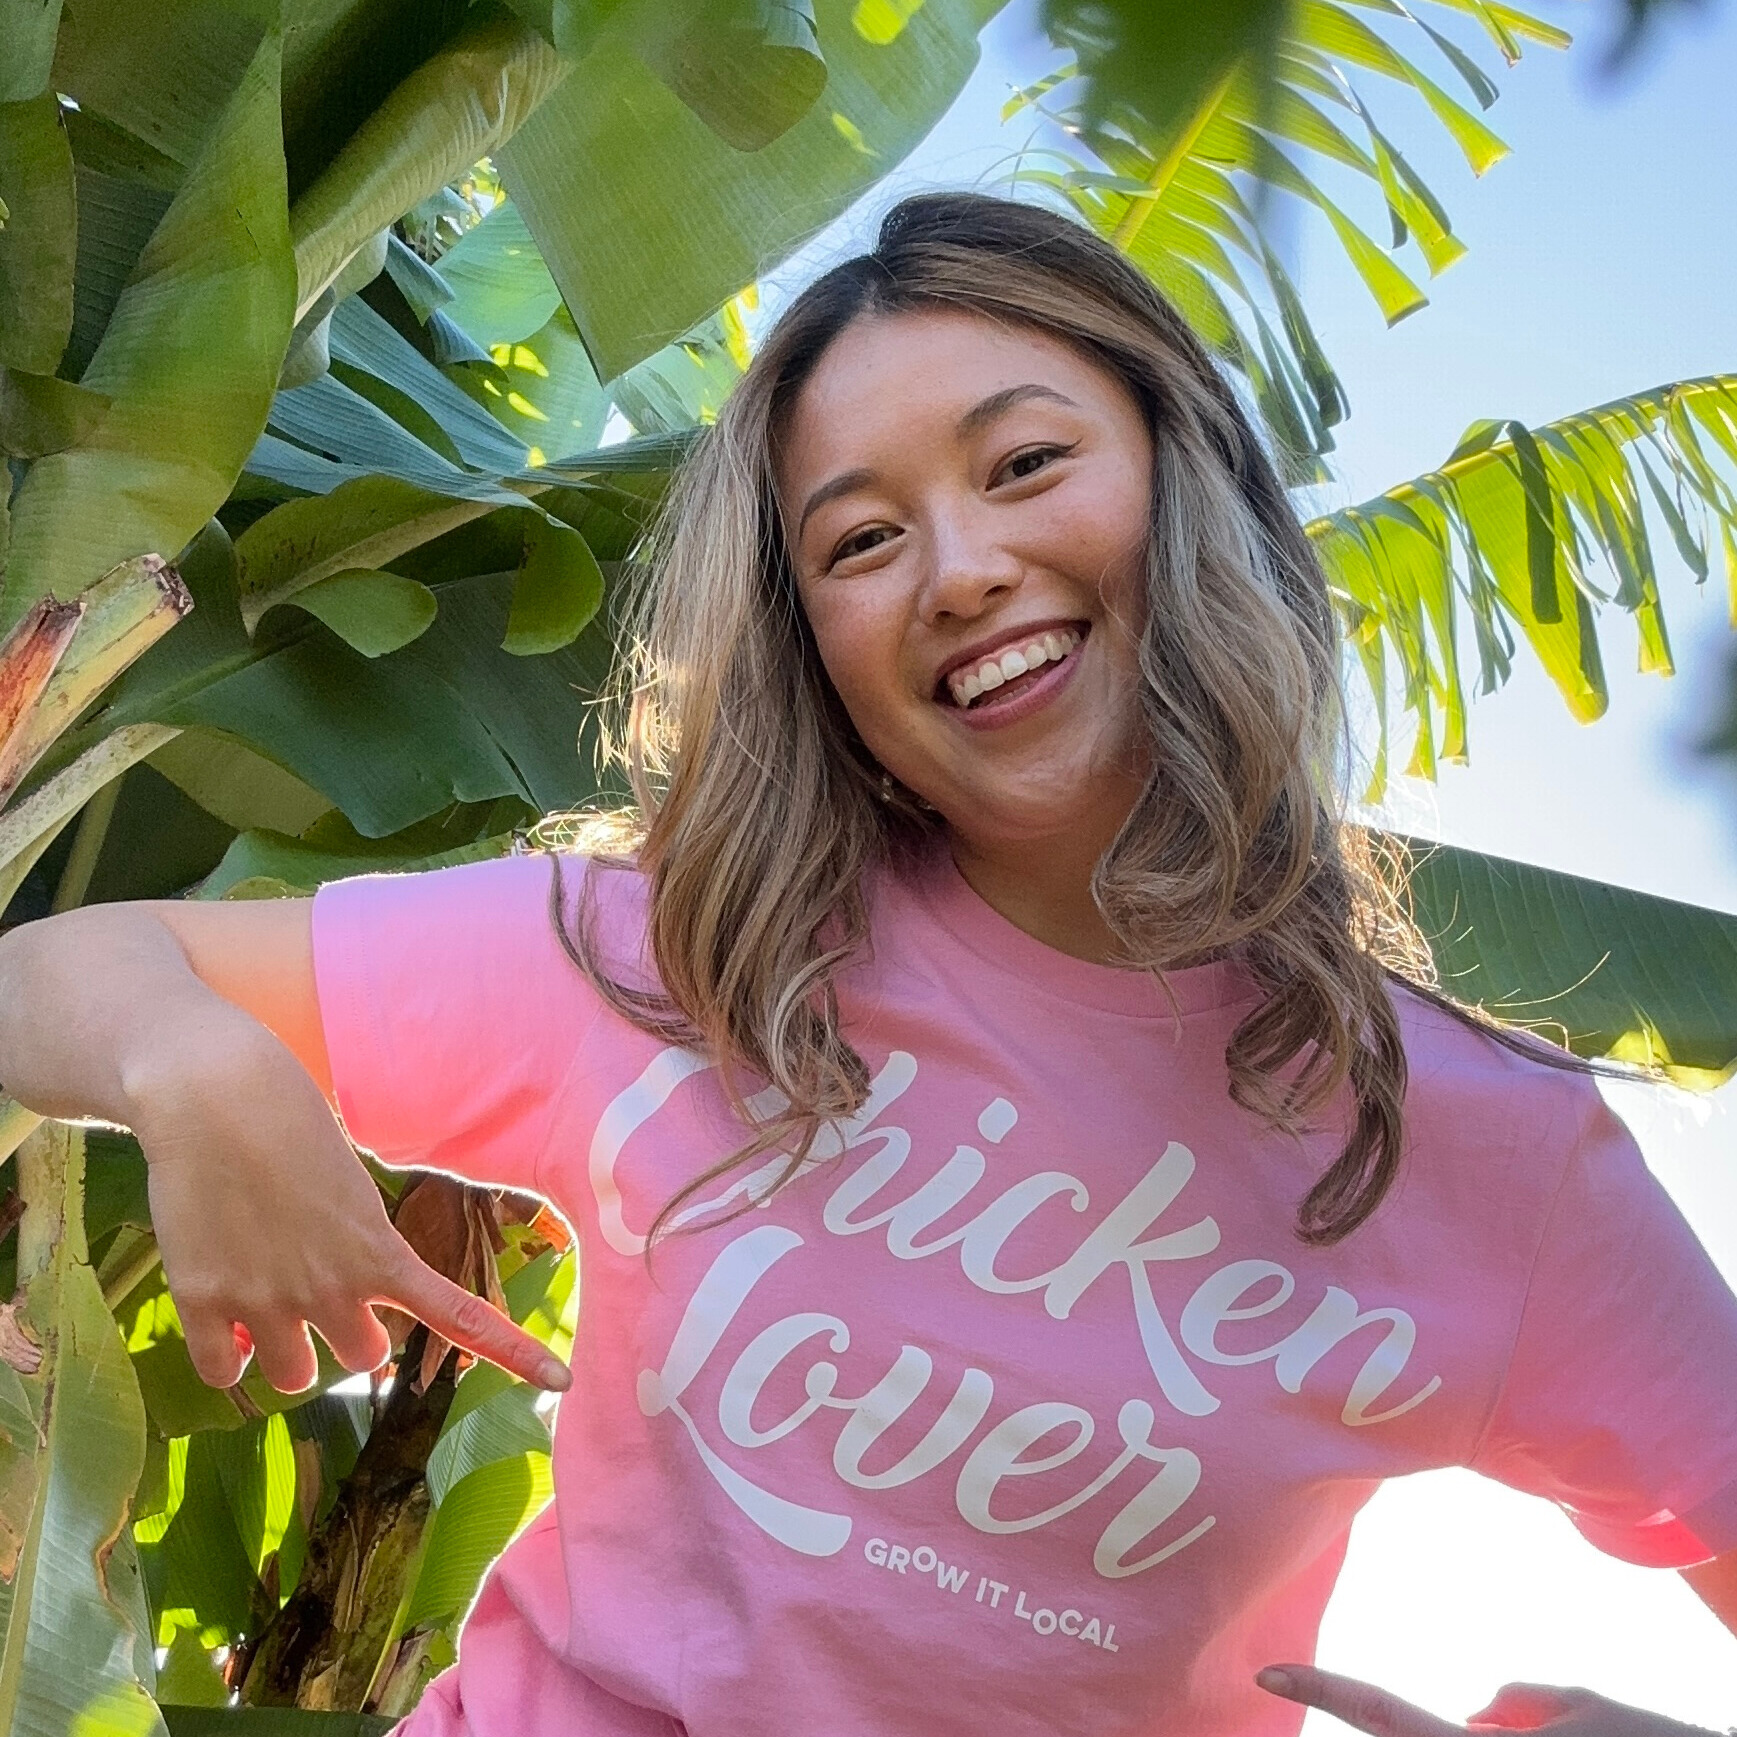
(268, 1222)
(1518, 1707)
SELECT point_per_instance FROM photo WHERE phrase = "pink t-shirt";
(1023, 1410)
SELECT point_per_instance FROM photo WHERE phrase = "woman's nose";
(968, 570)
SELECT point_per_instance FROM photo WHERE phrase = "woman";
(1025, 1209)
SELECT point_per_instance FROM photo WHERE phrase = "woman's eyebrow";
(845, 483)
(985, 411)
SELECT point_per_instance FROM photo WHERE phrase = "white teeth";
(967, 685)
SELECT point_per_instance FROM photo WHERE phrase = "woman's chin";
(1050, 816)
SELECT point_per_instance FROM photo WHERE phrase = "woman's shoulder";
(519, 905)
(1515, 1089)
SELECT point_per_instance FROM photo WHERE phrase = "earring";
(886, 787)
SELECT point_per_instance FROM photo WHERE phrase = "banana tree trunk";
(332, 1638)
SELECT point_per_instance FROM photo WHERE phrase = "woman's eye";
(860, 542)
(1032, 460)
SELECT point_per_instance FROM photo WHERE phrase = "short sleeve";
(1620, 1401)
(451, 1015)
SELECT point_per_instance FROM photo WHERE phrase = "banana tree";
(192, 195)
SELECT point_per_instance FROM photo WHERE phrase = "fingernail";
(554, 1375)
(1276, 1680)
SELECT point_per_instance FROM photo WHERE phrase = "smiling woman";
(1029, 1196)
(990, 429)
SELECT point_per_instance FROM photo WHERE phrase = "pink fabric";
(1023, 1410)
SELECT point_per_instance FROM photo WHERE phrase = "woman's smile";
(1020, 675)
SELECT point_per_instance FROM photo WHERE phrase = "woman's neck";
(1043, 887)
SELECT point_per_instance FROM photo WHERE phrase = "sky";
(1602, 259)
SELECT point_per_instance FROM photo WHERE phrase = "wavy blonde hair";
(759, 808)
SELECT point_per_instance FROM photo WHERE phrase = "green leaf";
(163, 70)
(360, 525)
(176, 1400)
(182, 419)
(33, 822)
(462, 103)
(303, 865)
(750, 69)
(326, 418)
(558, 591)
(40, 414)
(880, 21)
(371, 611)
(1523, 519)
(543, 1297)
(593, 168)
(241, 788)
(493, 1417)
(362, 340)
(450, 718)
(39, 241)
(28, 28)
(116, 217)
(112, 151)
(1609, 971)
(190, 1675)
(424, 288)
(480, 1516)
(501, 291)
(114, 1184)
(1183, 118)
(72, 1445)
(684, 385)
(545, 392)
(1159, 60)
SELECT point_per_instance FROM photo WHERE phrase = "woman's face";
(967, 504)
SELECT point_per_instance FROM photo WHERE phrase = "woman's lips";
(1019, 698)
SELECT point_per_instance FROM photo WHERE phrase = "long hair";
(759, 808)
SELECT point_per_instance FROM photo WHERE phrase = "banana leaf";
(1181, 129)
(465, 101)
(1534, 535)
(39, 240)
(1604, 970)
(648, 220)
(390, 740)
(28, 28)
(183, 416)
(76, 1652)
(162, 70)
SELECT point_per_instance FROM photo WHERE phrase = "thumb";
(1528, 1707)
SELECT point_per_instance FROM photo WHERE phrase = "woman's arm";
(198, 1027)
(1518, 1707)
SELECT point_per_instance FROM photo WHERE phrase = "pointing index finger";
(1362, 1706)
(474, 1324)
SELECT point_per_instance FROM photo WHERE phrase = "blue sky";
(1603, 259)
